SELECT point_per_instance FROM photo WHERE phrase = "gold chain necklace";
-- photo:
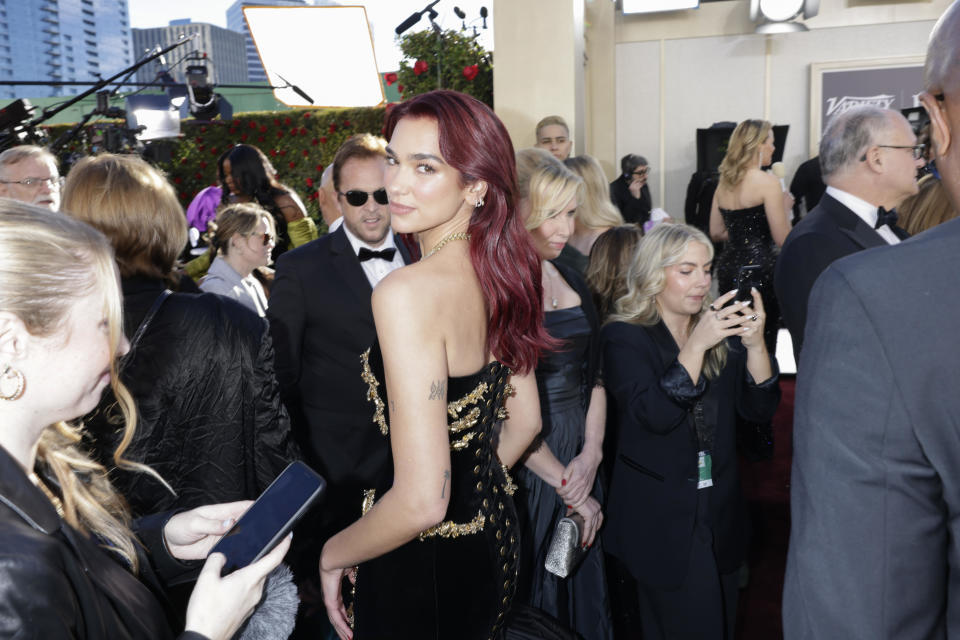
(463, 235)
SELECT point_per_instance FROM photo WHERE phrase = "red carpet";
(767, 488)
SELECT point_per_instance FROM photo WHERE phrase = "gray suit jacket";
(875, 539)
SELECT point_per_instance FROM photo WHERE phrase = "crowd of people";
(486, 344)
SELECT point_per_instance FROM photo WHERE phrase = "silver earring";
(9, 373)
(479, 202)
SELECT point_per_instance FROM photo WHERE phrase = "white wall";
(666, 89)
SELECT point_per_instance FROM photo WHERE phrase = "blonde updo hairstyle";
(48, 261)
(596, 210)
(742, 151)
(545, 184)
(664, 246)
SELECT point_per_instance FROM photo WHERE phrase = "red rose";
(303, 131)
(420, 66)
(177, 180)
(314, 195)
(198, 175)
(273, 152)
(346, 123)
(235, 122)
(333, 128)
(314, 142)
(198, 140)
(306, 115)
(263, 128)
(183, 161)
(390, 78)
(323, 139)
(279, 134)
(471, 72)
(283, 152)
(319, 168)
(253, 125)
(305, 153)
(203, 164)
(293, 132)
(276, 122)
(287, 121)
(243, 137)
(233, 130)
(260, 138)
(309, 182)
(400, 88)
(292, 164)
(203, 129)
(201, 148)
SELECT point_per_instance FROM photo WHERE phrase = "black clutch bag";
(565, 551)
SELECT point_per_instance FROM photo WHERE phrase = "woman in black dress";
(749, 213)
(561, 473)
(678, 370)
(451, 384)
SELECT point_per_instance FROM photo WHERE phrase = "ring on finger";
(713, 307)
(754, 317)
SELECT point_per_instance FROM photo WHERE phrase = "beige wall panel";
(638, 110)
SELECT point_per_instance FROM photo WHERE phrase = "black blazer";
(635, 210)
(652, 508)
(322, 320)
(829, 232)
(875, 494)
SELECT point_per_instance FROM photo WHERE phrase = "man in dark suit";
(322, 321)
(869, 164)
(875, 493)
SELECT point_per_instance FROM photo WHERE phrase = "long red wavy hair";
(474, 142)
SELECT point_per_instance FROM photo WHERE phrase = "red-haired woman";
(458, 336)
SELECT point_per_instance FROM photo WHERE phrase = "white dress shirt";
(866, 211)
(376, 269)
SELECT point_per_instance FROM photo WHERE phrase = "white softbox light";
(325, 51)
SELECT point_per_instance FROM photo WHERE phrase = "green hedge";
(299, 143)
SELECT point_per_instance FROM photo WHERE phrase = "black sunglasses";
(358, 198)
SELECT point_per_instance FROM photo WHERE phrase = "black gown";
(456, 579)
(580, 600)
(750, 242)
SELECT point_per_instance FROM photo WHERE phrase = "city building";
(236, 22)
(61, 40)
(221, 50)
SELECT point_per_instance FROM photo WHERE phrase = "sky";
(383, 15)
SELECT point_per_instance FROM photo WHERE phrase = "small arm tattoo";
(438, 390)
(393, 406)
(443, 490)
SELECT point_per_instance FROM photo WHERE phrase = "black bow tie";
(366, 254)
(885, 217)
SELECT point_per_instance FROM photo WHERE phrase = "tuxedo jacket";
(322, 321)
(875, 494)
(829, 232)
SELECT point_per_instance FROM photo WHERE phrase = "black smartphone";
(746, 280)
(271, 517)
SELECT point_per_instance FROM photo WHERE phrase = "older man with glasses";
(29, 174)
(875, 493)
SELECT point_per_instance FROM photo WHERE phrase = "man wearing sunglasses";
(29, 174)
(875, 494)
(322, 321)
(869, 158)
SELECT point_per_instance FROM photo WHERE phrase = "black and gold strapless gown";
(750, 242)
(456, 579)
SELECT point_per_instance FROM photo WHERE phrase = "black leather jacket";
(210, 420)
(56, 583)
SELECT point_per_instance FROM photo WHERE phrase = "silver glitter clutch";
(565, 551)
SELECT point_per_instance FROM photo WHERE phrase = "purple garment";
(203, 208)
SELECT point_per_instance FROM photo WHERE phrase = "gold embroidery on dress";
(457, 406)
(466, 421)
(368, 497)
(450, 529)
(459, 445)
(372, 394)
(510, 487)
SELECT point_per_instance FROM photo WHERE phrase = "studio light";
(779, 16)
(652, 6)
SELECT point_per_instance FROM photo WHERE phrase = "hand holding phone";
(746, 281)
(271, 517)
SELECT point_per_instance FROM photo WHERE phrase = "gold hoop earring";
(8, 373)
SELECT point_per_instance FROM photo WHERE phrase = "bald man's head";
(941, 73)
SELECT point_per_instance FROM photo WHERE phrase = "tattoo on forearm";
(443, 490)
(438, 390)
(393, 406)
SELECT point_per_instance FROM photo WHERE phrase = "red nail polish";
(563, 482)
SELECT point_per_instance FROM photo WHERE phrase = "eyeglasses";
(358, 198)
(267, 237)
(641, 172)
(37, 182)
(917, 150)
